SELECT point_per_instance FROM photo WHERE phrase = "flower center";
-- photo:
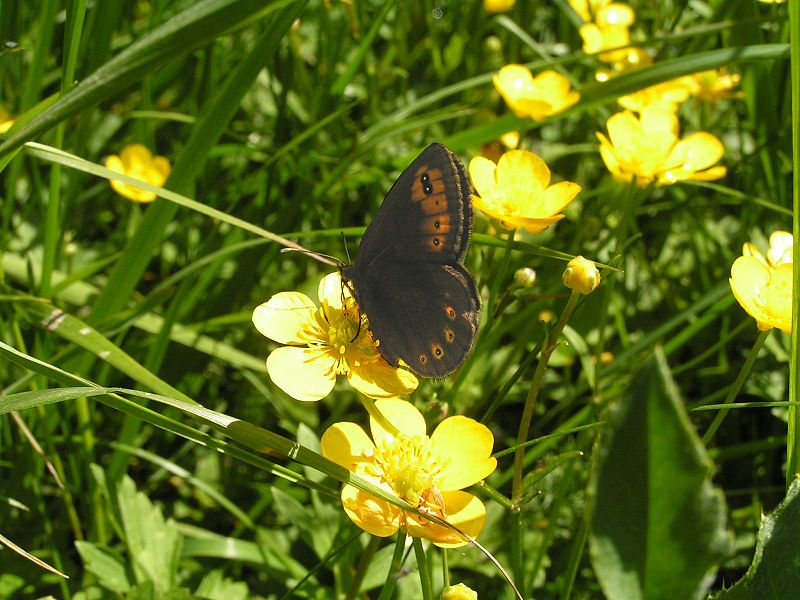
(409, 467)
(342, 329)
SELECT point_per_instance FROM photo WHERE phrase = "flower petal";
(331, 290)
(557, 197)
(481, 171)
(749, 277)
(778, 298)
(378, 379)
(306, 374)
(371, 514)
(346, 444)
(463, 510)
(403, 415)
(284, 317)
(465, 447)
(695, 152)
(520, 169)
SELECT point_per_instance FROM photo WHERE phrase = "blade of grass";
(793, 433)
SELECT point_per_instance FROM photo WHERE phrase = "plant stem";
(425, 582)
(736, 386)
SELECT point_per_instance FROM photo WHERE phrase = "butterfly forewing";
(422, 304)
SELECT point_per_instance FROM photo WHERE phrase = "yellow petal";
(695, 152)
(403, 415)
(778, 298)
(481, 171)
(749, 277)
(370, 513)
(465, 447)
(781, 244)
(378, 379)
(305, 374)
(513, 81)
(285, 316)
(522, 170)
(134, 154)
(346, 444)
(557, 197)
(464, 511)
(532, 225)
(331, 290)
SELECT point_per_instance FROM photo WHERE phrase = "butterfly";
(408, 278)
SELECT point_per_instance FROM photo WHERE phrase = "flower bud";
(581, 275)
(458, 592)
(525, 277)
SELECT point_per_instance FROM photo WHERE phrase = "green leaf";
(658, 524)
(215, 586)
(154, 544)
(775, 571)
(106, 564)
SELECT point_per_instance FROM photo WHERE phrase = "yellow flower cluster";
(138, 162)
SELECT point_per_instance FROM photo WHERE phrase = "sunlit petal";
(378, 379)
(464, 511)
(346, 444)
(465, 447)
(284, 317)
(305, 374)
(403, 415)
(371, 514)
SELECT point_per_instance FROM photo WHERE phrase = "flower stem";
(425, 583)
(394, 569)
(369, 405)
(533, 393)
(363, 566)
(736, 386)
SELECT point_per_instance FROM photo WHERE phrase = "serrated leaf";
(106, 564)
(154, 544)
(775, 570)
(215, 586)
(658, 524)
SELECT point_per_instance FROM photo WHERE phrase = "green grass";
(144, 451)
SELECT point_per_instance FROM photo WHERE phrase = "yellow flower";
(537, 97)
(609, 34)
(428, 472)
(630, 59)
(137, 161)
(581, 275)
(648, 148)
(459, 591)
(772, 1)
(714, 85)
(496, 6)
(517, 191)
(6, 122)
(325, 342)
(587, 9)
(666, 96)
(763, 286)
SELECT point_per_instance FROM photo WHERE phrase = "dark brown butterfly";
(421, 302)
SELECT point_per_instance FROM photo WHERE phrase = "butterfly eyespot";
(449, 335)
(423, 359)
(451, 312)
(426, 184)
(437, 351)
(437, 224)
(436, 241)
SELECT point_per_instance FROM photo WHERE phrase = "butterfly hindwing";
(429, 327)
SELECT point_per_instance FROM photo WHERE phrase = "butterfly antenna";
(346, 251)
(323, 258)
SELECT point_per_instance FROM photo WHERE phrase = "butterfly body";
(421, 302)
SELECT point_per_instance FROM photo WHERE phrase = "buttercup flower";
(581, 275)
(648, 148)
(666, 96)
(587, 9)
(496, 6)
(609, 33)
(458, 591)
(630, 59)
(325, 342)
(517, 191)
(714, 85)
(137, 161)
(428, 472)
(763, 285)
(537, 97)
